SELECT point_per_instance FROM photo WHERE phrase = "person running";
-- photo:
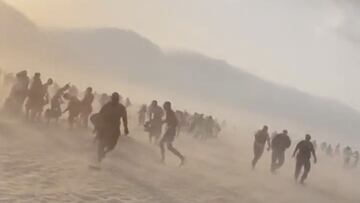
(44, 99)
(108, 125)
(337, 150)
(303, 151)
(347, 156)
(19, 91)
(35, 100)
(128, 102)
(261, 138)
(329, 151)
(279, 144)
(86, 107)
(155, 122)
(170, 133)
(74, 109)
(54, 112)
(142, 115)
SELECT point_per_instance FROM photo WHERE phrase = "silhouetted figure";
(54, 112)
(261, 138)
(356, 159)
(18, 93)
(74, 109)
(142, 115)
(127, 102)
(44, 98)
(217, 129)
(87, 108)
(209, 124)
(337, 150)
(108, 125)
(170, 133)
(155, 123)
(279, 144)
(347, 156)
(35, 100)
(303, 151)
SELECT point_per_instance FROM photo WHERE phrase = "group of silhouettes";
(199, 126)
(351, 158)
(278, 143)
(31, 95)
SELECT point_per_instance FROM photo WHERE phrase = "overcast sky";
(312, 45)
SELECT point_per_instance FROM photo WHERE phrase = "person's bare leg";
(176, 153)
(162, 150)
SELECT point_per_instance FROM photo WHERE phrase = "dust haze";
(49, 163)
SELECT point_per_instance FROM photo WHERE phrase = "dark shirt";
(261, 137)
(74, 106)
(156, 113)
(305, 149)
(281, 142)
(171, 119)
(88, 99)
(112, 114)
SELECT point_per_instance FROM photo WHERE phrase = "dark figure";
(155, 123)
(44, 98)
(142, 115)
(279, 144)
(127, 102)
(329, 151)
(19, 91)
(303, 151)
(86, 107)
(54, 112)
(170, 133)
(356, 159)
(261, 138)
(337, 150)
(108, 125)
(347, 156)
(208, 128)
(74, 109)
(35, 98)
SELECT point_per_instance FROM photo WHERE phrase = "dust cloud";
(43, 162)
(48, 163)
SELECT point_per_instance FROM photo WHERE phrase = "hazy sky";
(313, 45)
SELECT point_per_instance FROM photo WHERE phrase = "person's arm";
(296, 149)
(125, 121)
(314, 154)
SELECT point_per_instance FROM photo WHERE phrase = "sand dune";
(50, 164)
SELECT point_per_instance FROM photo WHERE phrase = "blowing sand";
(42, 163)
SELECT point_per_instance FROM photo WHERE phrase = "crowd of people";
(47, 101)
(199, 126)
(278, 143)
(39, 101)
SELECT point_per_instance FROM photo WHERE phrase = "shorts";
(169, 135)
